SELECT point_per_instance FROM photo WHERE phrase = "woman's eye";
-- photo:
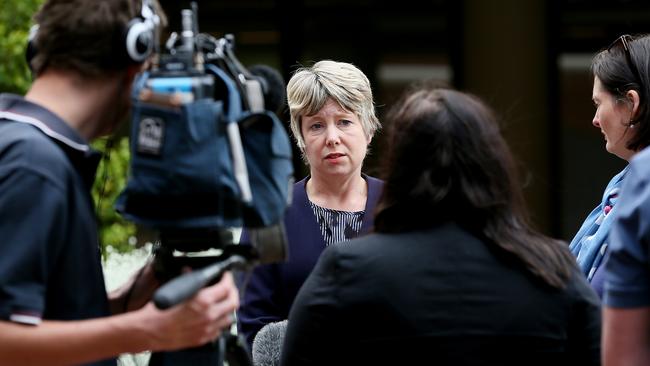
(345, 122)
(315, 126)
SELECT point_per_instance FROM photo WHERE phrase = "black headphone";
(30, 51)
(139, 36)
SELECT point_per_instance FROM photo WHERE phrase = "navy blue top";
(627, 270)
(269, 294)
(336, 225)
(50, 261)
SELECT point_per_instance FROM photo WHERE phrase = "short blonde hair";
(310, 87)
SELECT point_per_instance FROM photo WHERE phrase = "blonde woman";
(333, 121)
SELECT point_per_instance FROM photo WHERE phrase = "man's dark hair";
(85, 36)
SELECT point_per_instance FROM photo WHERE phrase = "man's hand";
(194, 322)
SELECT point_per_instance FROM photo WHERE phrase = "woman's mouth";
(333, 157)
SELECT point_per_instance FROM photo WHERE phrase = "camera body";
(206, 156)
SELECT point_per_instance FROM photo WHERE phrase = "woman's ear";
(633, 97)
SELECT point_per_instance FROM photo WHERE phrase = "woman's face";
(612, 117)
(335, 142)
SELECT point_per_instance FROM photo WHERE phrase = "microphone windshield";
(267, 345)
(273, 86)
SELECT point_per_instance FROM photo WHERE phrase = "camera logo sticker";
(151, 135)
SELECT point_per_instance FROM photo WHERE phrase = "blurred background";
(528, 59)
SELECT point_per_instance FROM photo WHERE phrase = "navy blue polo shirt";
(50, 261)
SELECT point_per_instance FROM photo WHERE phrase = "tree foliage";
(14, 29)
(114, 230)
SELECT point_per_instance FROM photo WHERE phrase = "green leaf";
(111, 178)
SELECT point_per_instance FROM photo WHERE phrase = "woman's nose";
(333, 137)
(595, 121)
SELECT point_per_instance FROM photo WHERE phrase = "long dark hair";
(619, 74)
(447, 161)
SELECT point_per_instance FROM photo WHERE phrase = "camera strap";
(233, 114)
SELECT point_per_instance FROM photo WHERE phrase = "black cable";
(129, 292)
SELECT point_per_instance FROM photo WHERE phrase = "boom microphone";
(273, 87)
(267, 345)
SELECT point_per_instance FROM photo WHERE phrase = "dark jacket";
(270, 292)
(437, 297)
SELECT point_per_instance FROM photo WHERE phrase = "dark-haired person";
(54, 309)
(454, 274)
(624, 72)
(621, 115)
(333, 121)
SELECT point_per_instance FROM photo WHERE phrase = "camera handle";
(183, 287)
(228, 347)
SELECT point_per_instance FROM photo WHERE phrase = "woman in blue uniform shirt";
(620, 96)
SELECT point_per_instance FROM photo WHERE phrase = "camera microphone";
(267, 345)
(273, 87)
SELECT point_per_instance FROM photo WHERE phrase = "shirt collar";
(16, 108)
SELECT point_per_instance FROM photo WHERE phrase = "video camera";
(207, 155)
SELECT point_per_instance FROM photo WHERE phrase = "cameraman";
(53, 303)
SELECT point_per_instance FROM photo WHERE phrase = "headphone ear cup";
(31, 50)
(30, 53)
(139, 40)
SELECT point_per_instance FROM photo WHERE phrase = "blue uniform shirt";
(590, 243)
(627, 270)
(50, 262)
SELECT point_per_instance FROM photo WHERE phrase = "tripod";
(206, 270)
(227, 347)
